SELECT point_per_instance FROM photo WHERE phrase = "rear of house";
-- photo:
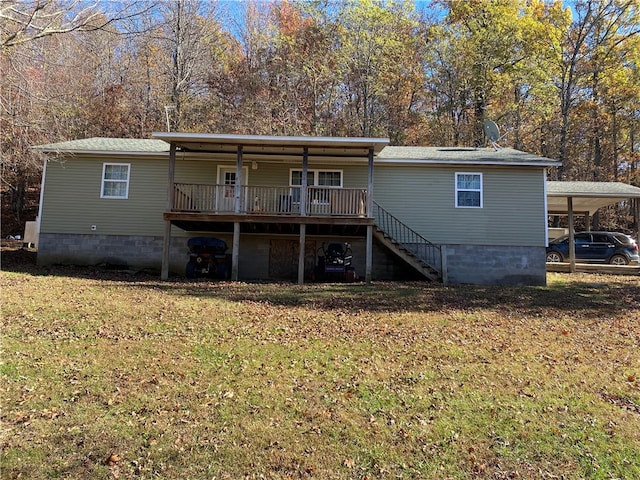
(124, 202)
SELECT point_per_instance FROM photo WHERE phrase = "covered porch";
(233, 205)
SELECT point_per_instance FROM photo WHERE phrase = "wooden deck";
(269, 201)
(270, 224)
(269, 209)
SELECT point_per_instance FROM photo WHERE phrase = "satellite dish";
(491, 132)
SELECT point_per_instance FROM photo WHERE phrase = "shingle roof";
(592, 189)
(101, 144)
(472, 156)
(389, 154)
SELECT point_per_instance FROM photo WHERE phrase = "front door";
(226, 191)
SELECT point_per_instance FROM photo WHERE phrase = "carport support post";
(572, 244)
(166, 244)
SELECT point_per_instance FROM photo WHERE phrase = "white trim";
(220, 194)
(318, 198)
(102, 181)
(480, 190)
(546, 208)
(245, 173)
(41, 203)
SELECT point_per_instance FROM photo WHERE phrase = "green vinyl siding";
(72, 191)
(72, 202)
(513, 211)
(266, 174)
(196, 171)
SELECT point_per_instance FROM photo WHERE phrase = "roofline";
(378, 160)
(621, 195)
(497, 163)
(127, 153)
(629, 191)
(257, 140)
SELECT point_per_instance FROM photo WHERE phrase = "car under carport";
(585, 198)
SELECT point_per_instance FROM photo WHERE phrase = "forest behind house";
(561, 79)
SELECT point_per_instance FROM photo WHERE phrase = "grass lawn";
(110, 375)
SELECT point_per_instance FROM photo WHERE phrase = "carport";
(585, 198)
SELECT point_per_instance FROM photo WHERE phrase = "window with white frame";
(115, 180)
(468, 190)
(316, 178)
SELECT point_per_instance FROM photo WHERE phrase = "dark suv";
(595, 247)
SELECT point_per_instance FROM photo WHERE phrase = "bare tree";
(22, 21)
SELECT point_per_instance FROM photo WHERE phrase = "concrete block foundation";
(496, 265)
(466, 264)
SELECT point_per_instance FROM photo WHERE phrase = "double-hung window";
(468, 190)
(321, 180)
(115, 180)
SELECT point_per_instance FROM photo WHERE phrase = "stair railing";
(407, 238)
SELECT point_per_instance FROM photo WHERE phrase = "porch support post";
(587, 221)
(235, 250)
(369, 252)
(303, 213)
(166, 244)
(303, 183)
(239, 181)
(637, 204)
(301, 254)
(369, 256)
(443, 264)
(370, 186)
(166, 247)
(572, 244)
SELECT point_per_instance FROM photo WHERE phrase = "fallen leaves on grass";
(196, 380)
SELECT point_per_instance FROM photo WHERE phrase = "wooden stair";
(408, 245)
(407, 256)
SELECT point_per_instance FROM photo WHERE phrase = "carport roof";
(587, 196)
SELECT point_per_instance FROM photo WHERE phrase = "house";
(457, 215)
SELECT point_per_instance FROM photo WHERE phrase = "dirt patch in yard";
(13, 257)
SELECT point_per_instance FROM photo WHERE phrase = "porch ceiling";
(273, 145)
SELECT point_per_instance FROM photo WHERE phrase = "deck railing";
(407, 238)
(261, 200)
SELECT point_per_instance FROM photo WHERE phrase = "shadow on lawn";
(585, 295)
(604, 299)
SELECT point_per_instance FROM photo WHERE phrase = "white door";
(226, 191)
